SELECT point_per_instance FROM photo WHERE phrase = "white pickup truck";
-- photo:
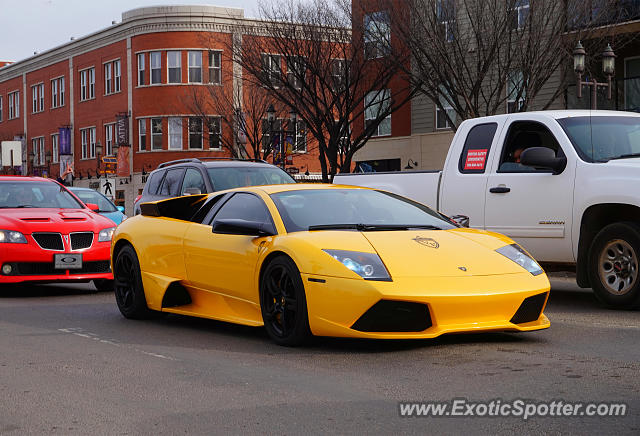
(564, 184)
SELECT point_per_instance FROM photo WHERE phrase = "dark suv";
(204, 175)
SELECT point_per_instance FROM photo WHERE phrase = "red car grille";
(49, 241)
(81, 240)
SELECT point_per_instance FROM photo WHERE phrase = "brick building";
(137, 74)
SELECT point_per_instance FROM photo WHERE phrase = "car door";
(532, 205)
(465, 173)
(224, 263)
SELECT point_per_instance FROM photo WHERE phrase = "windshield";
(236, 177)
(18, 194)
(600, 139)
(96, 198)
(358, 209)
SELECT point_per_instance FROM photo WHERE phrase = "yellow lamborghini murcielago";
(324, 260)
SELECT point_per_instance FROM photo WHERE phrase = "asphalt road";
(70, 364)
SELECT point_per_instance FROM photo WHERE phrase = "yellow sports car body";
(324, 260)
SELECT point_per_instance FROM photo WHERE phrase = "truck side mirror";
(543, 157)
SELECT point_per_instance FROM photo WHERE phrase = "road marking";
(78, 331)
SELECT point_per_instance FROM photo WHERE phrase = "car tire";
(283, 303)
(614, 265)
(103, 285)
(128, 286)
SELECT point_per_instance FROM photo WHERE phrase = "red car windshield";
(22, 194)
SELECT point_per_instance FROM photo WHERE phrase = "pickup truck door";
(532, 206)
(464, 178)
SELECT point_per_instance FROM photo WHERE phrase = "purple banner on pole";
(64, 137)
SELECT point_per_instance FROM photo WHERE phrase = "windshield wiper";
(625, 156)
(373, 227)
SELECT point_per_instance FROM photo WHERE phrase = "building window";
(117, 75)
(376, 107)
(141, 69)
(88, 141)
(515, 92)
(108, 80)
(14, 105)
(300, 144)
(87, 84)
(173, 64)
(446, 14)
(296, 71)
(108, 139)
(215, 67)
(57, 92)
(175, 133)
(0, 108)
(156, 133)
(215, 133)
(142, 134)
(156, 67)
(195, 66)
(271, 69)
(339, 74)
(519, 14)
(84, 139)
(377, 35)
(442, 122)
(268, 142)
(92, 82)
(38, 151)
(37, 93)
(54, 147)
(195, 132)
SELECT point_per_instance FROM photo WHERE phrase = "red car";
(48, 235)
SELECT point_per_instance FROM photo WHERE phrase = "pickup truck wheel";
(613, 265)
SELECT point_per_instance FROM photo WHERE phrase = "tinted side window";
(476, 148)
(203, 212)
(154, 182)
(245, 207)
(193, 179)
(171, 184)
(523, 135)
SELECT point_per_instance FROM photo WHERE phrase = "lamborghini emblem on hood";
(427, 242)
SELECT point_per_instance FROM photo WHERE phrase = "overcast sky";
(38, 25)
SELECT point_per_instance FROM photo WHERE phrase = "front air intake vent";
(49, 241)
(394, 316)
(530, 309)
(81, 240)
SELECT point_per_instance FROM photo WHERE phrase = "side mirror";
(192, 191)
(93, 207)
(543, 157)
(120, 208)
(461, 220)
(241, 227)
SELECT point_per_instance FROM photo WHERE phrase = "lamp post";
(98, 156)
(290, 130)
(608, 68)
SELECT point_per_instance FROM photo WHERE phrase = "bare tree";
(474, 57)
(302, 52)
(237, 114)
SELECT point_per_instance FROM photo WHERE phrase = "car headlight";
(515, 253)
(105, 235)
(12, 237)
(369, 266)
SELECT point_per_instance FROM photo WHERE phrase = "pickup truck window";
(523, 135)
(473, 159)
(600, 139)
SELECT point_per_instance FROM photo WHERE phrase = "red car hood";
(29, 220)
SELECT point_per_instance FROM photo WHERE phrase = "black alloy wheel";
(614, 265)
(283, 303)
(128, 285)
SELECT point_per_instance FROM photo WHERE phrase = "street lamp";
(98, 156)
(282, 133)
(608, 68)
